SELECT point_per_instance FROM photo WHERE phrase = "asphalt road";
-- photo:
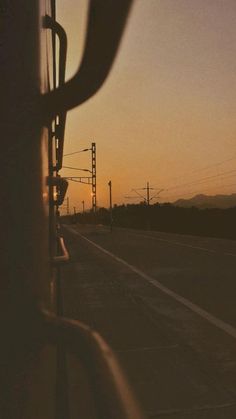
(166, 304)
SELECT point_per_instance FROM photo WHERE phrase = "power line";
(131, 197)
(141, 196)
(76, 168)
(204, 168)
(147, 188)
(76, 152)
(196, 191)
(201, 180)
(157, 194)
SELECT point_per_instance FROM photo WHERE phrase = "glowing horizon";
(166, 114)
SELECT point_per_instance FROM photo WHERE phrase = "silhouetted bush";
(168, 218)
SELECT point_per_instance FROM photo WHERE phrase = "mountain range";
(208, 201)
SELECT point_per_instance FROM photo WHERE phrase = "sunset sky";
(167, 112)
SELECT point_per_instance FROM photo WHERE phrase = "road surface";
(166, 305)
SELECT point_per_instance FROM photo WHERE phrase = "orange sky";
(166, 114)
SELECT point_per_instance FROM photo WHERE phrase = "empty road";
(166, 304)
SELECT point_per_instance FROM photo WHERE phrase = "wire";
(204, 168)
(201, 180)
(76, 168)
(76, 152)
(134, 190)
(196, 191)
(131, 197)
(157, 194)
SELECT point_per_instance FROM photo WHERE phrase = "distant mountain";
(207, 201)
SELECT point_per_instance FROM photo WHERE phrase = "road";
(166, 304)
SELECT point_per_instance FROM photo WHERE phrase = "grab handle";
(64, 256)
(50, 23)
(106, 22)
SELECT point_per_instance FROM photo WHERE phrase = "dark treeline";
(166, 217)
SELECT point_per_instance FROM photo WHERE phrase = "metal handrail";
(64, 257)
(106, 22)
(50, 23)
(113, 397)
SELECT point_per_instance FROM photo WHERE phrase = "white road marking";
(220, 324)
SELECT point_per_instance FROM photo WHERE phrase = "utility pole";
(83, 206)
(147, 199)
(94, 180)
(148, 206)
(89, 180)
(110, 196)
(148, 194)
(67, 206)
